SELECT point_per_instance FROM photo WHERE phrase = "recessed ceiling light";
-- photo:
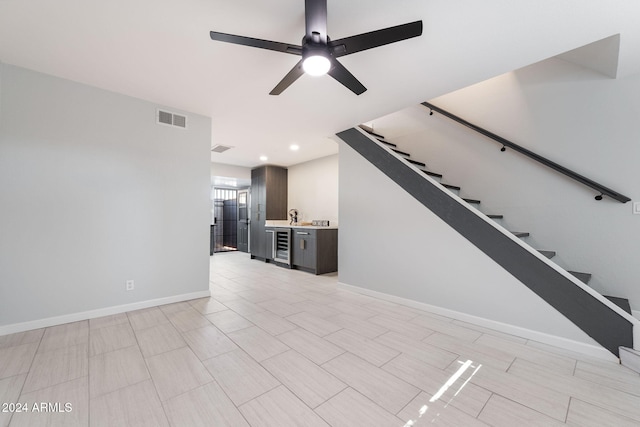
(294, 147)
(264, 158)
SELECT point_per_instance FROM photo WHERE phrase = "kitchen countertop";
(285, 224)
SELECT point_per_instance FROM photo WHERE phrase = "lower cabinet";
(315, 250)
(304, 248)
(269, 244)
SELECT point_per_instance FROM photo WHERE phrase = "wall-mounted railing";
(601, 189)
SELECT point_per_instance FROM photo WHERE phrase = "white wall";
(313, 189)
(392, 245)
(569, 114)
(94, 193)
(238, 173)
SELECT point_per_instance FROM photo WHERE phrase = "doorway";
(243, 221)
(225, 218)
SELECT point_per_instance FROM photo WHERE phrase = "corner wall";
(95, 193)
(313, 189)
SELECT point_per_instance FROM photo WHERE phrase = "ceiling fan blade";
(259, 43)
(341, 74)
(353, 44)
(291, 77)
(315, 19)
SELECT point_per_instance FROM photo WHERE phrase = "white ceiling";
(159, 50)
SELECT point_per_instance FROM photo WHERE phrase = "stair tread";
(402, 153)
(471, 200)
(436, 175)
(548, 254)
(370, 132)
(417, 163)
(520, 233)
(451, 187)
(623, 303)
(584, 277)
(390, 144)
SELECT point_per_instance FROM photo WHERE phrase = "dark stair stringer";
(596, 319)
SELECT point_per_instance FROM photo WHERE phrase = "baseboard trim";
(563, 343)
(630, 358)
(101, 312)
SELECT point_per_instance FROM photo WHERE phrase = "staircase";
(572, 300)
(583, 277)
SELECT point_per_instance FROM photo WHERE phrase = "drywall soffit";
(600, 56)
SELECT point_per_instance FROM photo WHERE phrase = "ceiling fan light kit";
(316, 65)
(315, 61)
(319, 53)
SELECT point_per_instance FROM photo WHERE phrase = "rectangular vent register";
(171, 119)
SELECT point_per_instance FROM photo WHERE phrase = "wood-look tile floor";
(274, 347)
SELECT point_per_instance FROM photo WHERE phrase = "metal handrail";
(604, 191)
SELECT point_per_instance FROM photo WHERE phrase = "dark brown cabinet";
(268, 202)
(315, 250)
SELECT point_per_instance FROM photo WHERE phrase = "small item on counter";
(320, 222)
(293, 214)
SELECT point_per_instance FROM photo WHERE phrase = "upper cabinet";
(268, 202)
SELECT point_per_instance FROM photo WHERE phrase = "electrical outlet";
(130, 285)
(636, 208)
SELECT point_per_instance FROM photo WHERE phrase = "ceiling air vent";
(171, 119)
(219, 148)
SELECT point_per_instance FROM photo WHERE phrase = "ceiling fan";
(319, 53)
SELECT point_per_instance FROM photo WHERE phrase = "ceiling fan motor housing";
(310, 48)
